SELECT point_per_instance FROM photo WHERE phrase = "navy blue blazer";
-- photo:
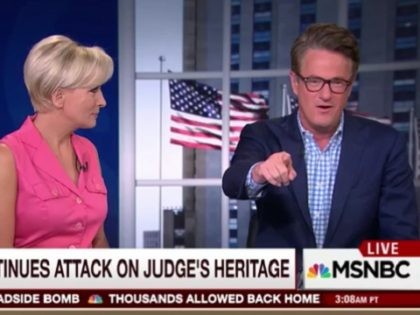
(373, 197)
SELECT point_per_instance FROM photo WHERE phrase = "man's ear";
(293, 81)
(57, 98)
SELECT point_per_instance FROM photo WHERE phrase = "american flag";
(196, 118)
(292, 103)
(289, 102)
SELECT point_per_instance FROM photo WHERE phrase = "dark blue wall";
(90, 22)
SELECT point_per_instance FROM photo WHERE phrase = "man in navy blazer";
(322, 177)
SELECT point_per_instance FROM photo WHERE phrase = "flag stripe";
(193, 145)
(182, 128)
(191, 132)
(197, 123)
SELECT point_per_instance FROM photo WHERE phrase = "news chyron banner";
(144, 278)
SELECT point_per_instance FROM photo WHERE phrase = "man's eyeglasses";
(315, 84)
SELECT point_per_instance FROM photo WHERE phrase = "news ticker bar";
(266, 299)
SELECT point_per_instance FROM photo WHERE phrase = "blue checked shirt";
(321, 167)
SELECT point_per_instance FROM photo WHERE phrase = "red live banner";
(205, 299)
(390, 248)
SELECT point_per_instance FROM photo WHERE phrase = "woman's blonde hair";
(59, 62)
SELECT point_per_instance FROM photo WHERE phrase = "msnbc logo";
(95, 299)
(318, 270)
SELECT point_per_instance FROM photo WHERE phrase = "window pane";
(190, 217)
(152, 42)
(240, 213)
(269, 90)
(390, 94)
(175, 29)
(187, 143)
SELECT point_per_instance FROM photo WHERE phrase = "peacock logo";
(319, 270)
(95, 299)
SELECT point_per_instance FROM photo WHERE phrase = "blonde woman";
(52, 194)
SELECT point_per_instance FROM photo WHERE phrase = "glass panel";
(381, 93)
(268, 90)
(374, 93)
(355, 17)
(190, 217)
(152, 42)
(353, 101)
(181, 37)
(406, 30)
(308, 12)
(388, 94)
(261, 46)
(187, 143)
(240, 212)
(389, 35)
(203, 38)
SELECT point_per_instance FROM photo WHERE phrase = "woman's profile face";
(82, 105)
